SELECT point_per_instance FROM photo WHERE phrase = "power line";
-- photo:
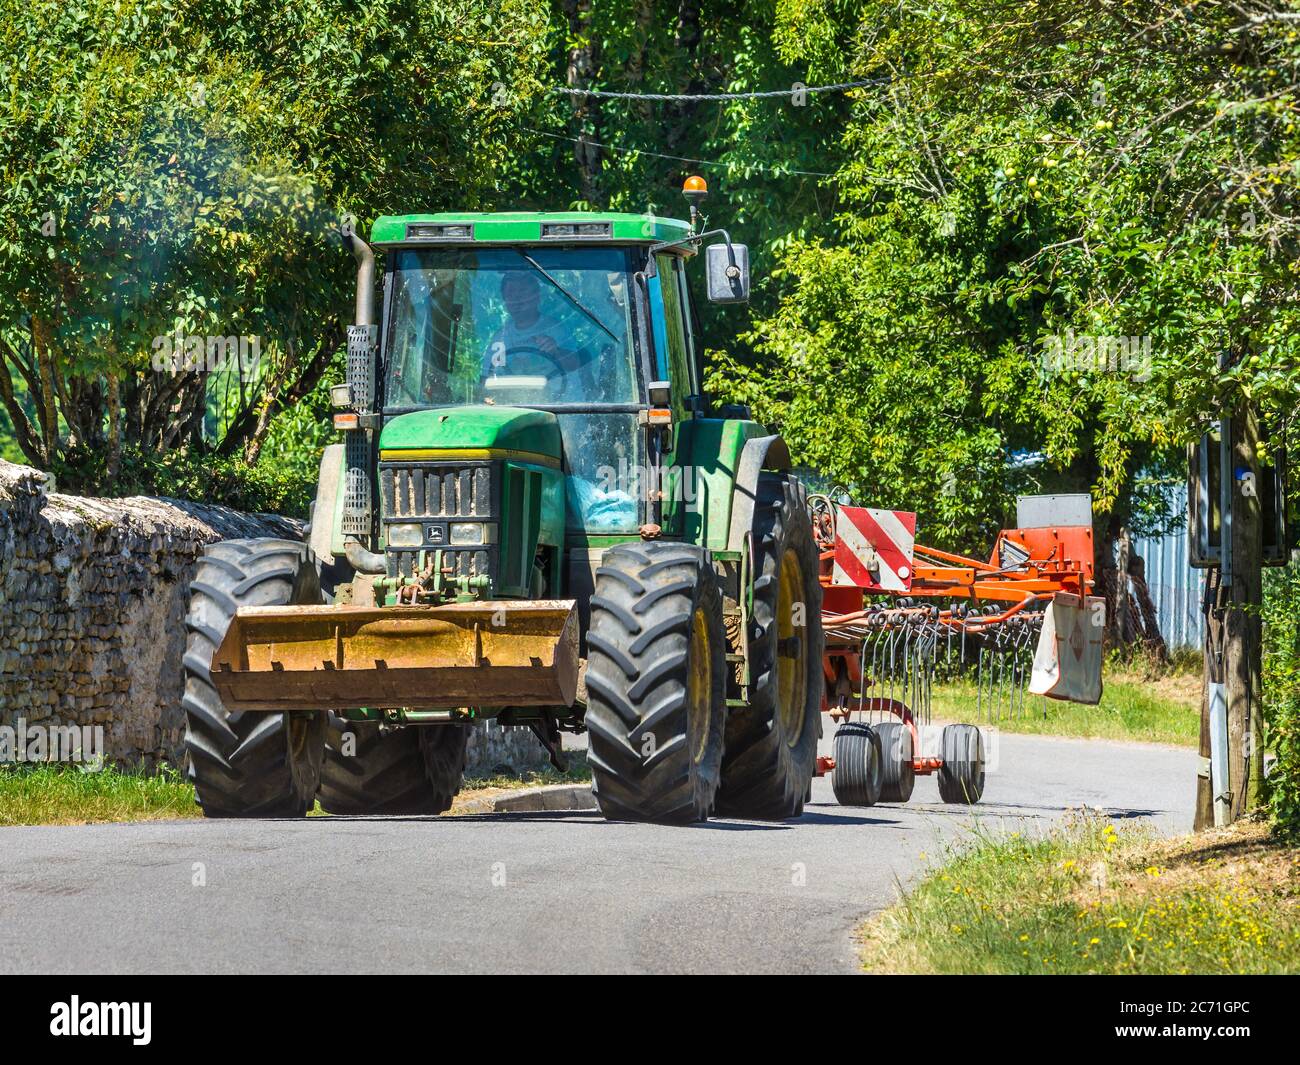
(705, 96)
(680, 158)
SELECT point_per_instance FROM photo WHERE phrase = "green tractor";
(535, 515)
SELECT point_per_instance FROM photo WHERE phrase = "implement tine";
(894, 679)
(1026, 660)
(1002, 676)
(1004, 710)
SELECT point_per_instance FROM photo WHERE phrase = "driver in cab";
(529, 343)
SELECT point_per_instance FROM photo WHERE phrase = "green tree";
(765, 158)
(180, 169)
(1030, 176)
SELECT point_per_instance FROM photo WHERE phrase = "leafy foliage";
(1032, 175)
(765, 159)
(178, 167)
(1281, 663)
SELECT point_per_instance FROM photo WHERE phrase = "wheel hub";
(791, 647)
(699, 693)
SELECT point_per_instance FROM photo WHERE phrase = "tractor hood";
(474, 432)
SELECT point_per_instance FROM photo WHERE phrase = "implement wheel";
(409, 770)
(656, 683)
(248, 764)
(897, 771)
(961, 777)
(856, 776)
(771, 745)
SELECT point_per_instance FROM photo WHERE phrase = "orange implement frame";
(1027, 567)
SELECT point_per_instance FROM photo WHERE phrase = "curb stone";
(553, 797)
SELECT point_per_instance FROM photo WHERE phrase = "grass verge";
(66, 795)
(1088, 898)
(43, 794)
(1151, 709)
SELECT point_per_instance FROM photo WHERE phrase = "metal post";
(1220, 786)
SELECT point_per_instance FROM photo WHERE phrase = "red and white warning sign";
(873, 549)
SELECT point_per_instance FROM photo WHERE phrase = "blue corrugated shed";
(1176, 588)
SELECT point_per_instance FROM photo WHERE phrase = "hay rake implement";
(897, 613)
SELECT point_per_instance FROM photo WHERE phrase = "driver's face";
(521, 295)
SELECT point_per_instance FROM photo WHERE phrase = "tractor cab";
(583, 318)
(559, 327)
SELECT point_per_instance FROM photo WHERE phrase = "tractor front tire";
(656, 683)
(408, 770)
(250, 764)
(961, 777)
(771, 745)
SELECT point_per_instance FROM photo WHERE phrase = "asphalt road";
(527, 892)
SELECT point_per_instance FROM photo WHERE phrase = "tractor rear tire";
(771, 745)
(408, 770)
(856, 776)
(897, 770)
(656, 683)
(961, 777)
(250, 764)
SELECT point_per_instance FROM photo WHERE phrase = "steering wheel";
(529, 350)
(557, 369)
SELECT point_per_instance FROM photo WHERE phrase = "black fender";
(759, 453)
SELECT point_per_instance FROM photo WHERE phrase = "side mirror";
(728, 270)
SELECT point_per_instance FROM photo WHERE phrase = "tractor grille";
(435, 495)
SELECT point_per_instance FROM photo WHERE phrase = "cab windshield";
(526, 326)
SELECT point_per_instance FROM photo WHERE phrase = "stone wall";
(92, 616)
(495, 750)
(92, 609)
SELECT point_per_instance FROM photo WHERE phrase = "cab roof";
(520, 227)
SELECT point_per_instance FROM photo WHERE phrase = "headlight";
(406, 535)
(466, 533)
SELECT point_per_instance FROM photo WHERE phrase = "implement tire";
(856, 776)
(249, 764)
(897, 768)
(416, 769)
(961, 777)
(771, 745)
(656, 683)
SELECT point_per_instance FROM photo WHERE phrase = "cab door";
(675, 360)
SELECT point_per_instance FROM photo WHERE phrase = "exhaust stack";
(365, 257)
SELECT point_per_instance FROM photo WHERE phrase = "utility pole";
(1228, 785)
(1244, 621)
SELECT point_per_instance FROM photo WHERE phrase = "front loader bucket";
(497, 653)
